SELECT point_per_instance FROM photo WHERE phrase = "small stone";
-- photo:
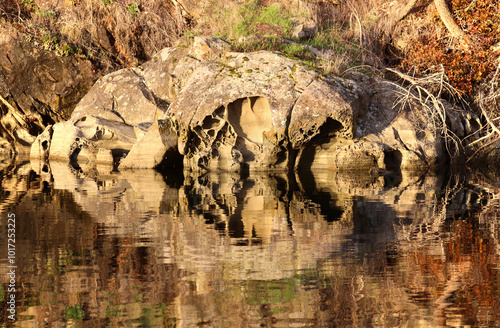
(305, 28)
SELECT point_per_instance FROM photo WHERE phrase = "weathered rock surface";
(121, 96)
(410, 141)
(37, 88)
(40, 149)
(245, 111)
(150, 150)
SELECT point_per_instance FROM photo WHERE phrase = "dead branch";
(419, 90)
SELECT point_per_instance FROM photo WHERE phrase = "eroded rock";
(150, 150)
(405, 130)
(40, 149)
(90, 139)
(236, 114)
(121, 96)
(244, 112)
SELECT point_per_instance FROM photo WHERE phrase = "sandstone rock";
(245, 111)
(229, 115)
(347, 156)
(150, 150)
(37, 87)
(121, 96)
(406, 131)
(41, 147)
(107, 134)
(90, 139)
(324, 105)
(236, 114)
(166, 74)
(65, 140)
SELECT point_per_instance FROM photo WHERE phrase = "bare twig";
(420, 90)
(493, 132)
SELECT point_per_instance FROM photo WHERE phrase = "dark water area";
(97, 248)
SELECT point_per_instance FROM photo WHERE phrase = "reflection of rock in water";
(208, 216)
(333, 245)
(243, 209)
(65, 256)
(446, 253)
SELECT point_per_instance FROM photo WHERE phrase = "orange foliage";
(465, 68)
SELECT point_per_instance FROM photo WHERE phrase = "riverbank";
(88, 39)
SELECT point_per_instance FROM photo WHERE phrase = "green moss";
(249, 71)
(74, 313)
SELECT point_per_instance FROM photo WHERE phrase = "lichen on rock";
(252, 112)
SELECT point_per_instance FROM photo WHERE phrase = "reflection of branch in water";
(489, 213)
(429, 227)
(460, 204)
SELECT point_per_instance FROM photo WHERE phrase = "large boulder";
(121, 96)
(243, 112)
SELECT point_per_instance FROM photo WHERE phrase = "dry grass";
(482, 132)
(112, 33)
(362, 26)
(488, 101)
(356, 31)
(117, 33)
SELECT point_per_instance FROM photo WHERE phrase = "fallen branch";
(449, 22)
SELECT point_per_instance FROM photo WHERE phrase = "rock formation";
(37, 88)
(241, 112)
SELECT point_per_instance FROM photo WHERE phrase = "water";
(139, 249)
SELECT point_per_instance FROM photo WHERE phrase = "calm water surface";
(97, 248)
